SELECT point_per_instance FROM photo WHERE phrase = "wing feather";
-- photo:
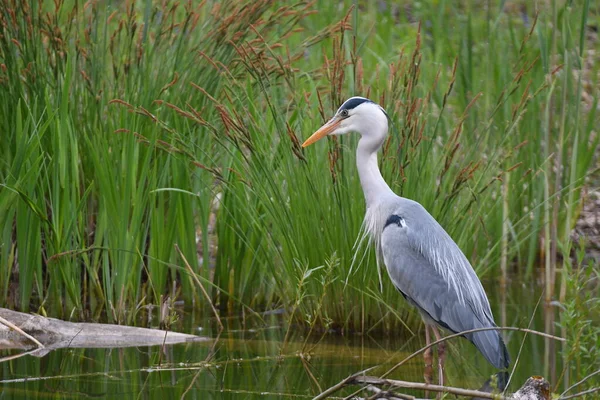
(427, 266)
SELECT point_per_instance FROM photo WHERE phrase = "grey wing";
(431, 271)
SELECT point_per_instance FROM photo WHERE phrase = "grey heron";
(422, 260)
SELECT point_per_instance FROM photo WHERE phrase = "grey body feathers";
(434, 275)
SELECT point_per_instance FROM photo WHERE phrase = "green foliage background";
(129, 127)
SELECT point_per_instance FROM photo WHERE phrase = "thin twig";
(310, 374)
(335, 388)
(370, 380)
(187, 265)
(579, 383)
(514, 368)
(592, 390)
(15, 356)
(192, 382)
(22, 332)
(341, 384)
(384, 394)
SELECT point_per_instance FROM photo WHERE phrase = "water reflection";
(250, 360)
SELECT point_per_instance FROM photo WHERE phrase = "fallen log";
(26, 331)
(535, 388)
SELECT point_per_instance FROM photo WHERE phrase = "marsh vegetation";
(151, 155)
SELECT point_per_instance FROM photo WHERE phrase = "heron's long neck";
(374, 187)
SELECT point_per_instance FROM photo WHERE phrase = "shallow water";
(250, 360)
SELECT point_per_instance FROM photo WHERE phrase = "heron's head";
(357, 114)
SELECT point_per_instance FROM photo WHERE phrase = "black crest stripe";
(353, 103)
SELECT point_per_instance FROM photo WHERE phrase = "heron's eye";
(344, 113)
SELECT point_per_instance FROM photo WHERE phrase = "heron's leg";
(428, 357)
(441, 348)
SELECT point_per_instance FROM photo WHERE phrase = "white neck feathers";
(373, 184)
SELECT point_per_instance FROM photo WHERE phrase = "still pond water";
(249, 360)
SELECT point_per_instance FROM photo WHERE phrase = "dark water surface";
(249, 360)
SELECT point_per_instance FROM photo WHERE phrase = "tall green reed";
(97, 173)
(132, 126)
(459, 133)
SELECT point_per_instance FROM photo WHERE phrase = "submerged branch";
(535, 388)
(346, 381)
(370, 380)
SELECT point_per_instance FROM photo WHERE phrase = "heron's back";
(434, 275)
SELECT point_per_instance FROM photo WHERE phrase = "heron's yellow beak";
(323, 131)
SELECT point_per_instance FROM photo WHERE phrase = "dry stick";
(383, 394)
(341, 384)
(579, 383)
(425, 386)
(211, 354)
(512, 373)
(596, 389)
(19, 355)
(310, 374)
(20, 331)
(187, 265)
